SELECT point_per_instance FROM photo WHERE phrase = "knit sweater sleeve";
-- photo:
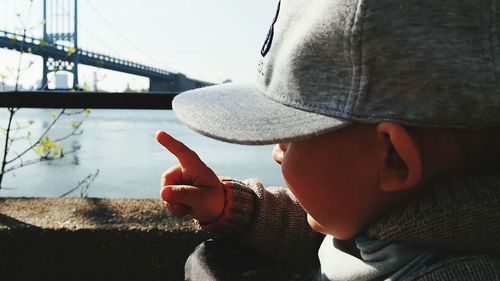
(268, 219)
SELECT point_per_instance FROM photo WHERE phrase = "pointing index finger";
(187, 158)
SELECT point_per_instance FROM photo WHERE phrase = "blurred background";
(120, 46)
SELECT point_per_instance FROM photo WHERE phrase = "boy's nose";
(279, 152)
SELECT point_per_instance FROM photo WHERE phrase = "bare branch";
(74, 113)
(25, 28)
(33, 161)
(68, 136)
(13, 139)
(12, 111)
(39, 139)
(19, 128)
(83, 185)
(74, 131)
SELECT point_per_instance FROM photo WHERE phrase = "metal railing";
(95, 100)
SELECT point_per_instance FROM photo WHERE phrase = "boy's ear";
(402, 168)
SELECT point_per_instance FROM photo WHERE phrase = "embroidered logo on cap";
(270, 34)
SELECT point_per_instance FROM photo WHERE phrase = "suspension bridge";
(60, 51)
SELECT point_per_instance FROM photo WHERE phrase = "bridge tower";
(61, 27)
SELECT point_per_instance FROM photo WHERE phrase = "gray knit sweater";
(459, 216)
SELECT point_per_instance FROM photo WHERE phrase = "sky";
(210, 40)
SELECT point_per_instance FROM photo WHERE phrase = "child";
(386, 114)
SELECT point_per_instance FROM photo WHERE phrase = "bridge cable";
(16, 87)
(111, 25)
(70, 14)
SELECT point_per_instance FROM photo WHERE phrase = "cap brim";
(239, 113)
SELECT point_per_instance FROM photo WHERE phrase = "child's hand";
(190, 188)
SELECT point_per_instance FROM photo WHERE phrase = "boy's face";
(335, 177)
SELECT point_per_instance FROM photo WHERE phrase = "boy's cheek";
(294, 175)
(284, 169)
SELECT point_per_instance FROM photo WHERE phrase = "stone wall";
(93, 239)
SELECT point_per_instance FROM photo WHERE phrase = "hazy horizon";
(206, 40)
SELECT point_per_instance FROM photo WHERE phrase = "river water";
(121, 145)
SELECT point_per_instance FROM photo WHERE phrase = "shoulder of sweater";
(460, 268)
(460, 214)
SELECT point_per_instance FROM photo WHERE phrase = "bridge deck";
(43, 48)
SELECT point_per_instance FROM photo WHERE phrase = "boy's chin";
(316, 225)
(338, 234)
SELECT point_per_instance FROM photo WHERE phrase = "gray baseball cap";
(328, 63)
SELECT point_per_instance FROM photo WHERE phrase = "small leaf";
(57, 151)
(87, 110)
(70, 51)
(43, 43)
(48, 143)
(53, 114)
(86, 87)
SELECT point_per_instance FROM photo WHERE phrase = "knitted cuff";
(238, 210)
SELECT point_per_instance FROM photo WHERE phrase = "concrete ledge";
(93, 239)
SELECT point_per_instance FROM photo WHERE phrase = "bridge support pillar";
(45, 73)
(54, 65)
(179, 83)
(158, 85)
